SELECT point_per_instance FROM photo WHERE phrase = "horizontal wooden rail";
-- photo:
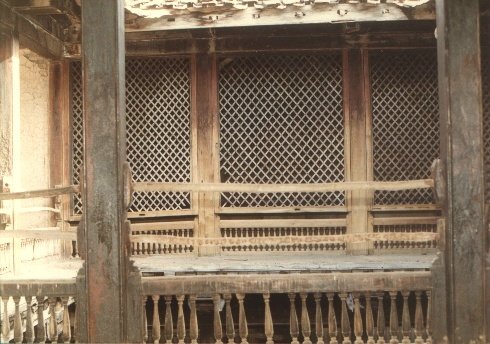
(52, 233)
(40, 193)
(274, 188)
(283, 223)
(287, 283)
(28, 210)
(36, 287)
(286, 239)
(161, 226)
(393, 221)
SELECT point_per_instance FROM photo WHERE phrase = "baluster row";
(43, 319)
(347, 318)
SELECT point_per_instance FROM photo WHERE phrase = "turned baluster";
(318, 318)
(66, 336)
(169, 323)
(419, 318)
(218, 330)
(18, 335)
(41, 330)
(145, 320)
(357, 321)
(381, 328)
(332, 320)
(369, 320)
(429, 319)
(406, 326)
(52, 327)
(180, 319)
(5, 322)
(193, 325)
(305, 320)
(268, 325)
(29, 336)
(393, 318)
(344, 321)
(242, 319)
(155, 330)
(293, 319)
(230, 326)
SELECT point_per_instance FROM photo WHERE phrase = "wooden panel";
(462, 155)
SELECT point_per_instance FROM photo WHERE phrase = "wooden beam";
(38, 288)
(103, 278)
(40, 193)
(266, 188)
(286, 283)
(460, 100)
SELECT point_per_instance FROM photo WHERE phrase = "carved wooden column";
(105, 227)
(461, 124)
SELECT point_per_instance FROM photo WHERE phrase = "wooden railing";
(36, 311)
(385, 307)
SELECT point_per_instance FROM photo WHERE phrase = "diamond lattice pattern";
(281, 121)
(157, 128)
(405, 121)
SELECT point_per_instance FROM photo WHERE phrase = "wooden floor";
(54, 268)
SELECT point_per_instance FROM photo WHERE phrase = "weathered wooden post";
(458, 47)
(104, 296)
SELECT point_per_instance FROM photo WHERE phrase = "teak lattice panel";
(157, 129)
(405, 114)
(408, 228)
(281, 121)
(278, 232)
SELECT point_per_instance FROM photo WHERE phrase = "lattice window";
(405, 121)
(76, 130)
(408, 228)
(278, 232)
(485, 74)
(281, 121)
(157, 129)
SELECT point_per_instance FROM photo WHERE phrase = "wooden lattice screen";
(485, 73)
(405, 112)
(157, 129)
(281, 121)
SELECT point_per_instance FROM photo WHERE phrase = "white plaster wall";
(31, 162)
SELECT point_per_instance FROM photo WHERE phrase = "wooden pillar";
(205, 129)
(357, 143)
(458, 48)
(104, 213)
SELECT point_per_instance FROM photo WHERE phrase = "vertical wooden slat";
(356, 157)
(29, 336)
(369, 320)
(193, 325)
(429, 317)
(419, 318)
(463, 201)
(103, 194)
(66, 336)
(357, 320)
(52, 327)
(230, 326)
(41, 330)
(293, 319)
(381, 327)
(180, 319)
(5, 324)
(344, 321)
(406, 326)
(145, 320)
(332, 320)
(18, 333)
(155, 330)
(318, 318)
(393, 318)
(218, 329)
(305, 320)
(242, 319)
(169, 324)
(268, 324)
